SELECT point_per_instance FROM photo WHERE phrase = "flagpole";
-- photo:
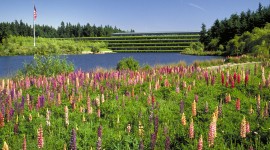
(34, 26)
(34, 32)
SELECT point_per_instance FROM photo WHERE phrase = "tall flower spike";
(141, 131)
(200, 143)
(40, 137)
(182, 106)
(141, 145)
(30, 118)
(59, 98)
(237, 104)
(183, 119)
(66, 116)
(2, 120)
(266, 112)
(251, 111)
(258, 105)
(48, 122)
(89, 107)
(73, 145)
(5, 146)
(206, 109)
(24, 147)
(243, 130)
(100, 131)
(191, 129)
(128, 128)
(167, 143)
(193, 107)
(247, 127)
(211, 134)
(99, 143)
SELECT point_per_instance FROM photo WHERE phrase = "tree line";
(217, 37)
(65, 30)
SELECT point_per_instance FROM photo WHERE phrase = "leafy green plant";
(46, 66)
(128, 64)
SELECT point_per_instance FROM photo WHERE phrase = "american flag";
(35, 13)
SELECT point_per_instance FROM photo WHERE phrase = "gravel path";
(232, 65)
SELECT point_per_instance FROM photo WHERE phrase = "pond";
(10, 64)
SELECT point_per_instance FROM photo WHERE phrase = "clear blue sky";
(140, 15)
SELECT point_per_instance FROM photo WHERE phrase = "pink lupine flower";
(59, 99)
(24, 146)
(196, 98)
(40, 137)
(89, 107)
(211, 134)
(191, 129)
(222, 78)
(247, 127)
(98, 112)
(246, 79)
(200, 143)
(238, 78)
(237, 104)
(2, 120)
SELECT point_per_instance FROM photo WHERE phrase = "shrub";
(95, 49)
(128, 64)
(46, 66)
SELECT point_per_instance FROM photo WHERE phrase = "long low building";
(148, 41)
(153, 33)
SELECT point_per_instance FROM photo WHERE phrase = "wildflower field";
(169, 107)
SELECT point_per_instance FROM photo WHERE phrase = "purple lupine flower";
(73, 145)
(213, 80)
(3, 109)
(100, 131)
(41, 101)
(141, 145)
(156, 124)
(22, 103)
(182, 106)
(116, 97)
(196, 98)
(16, 128)
(99, 143)
(153, 141)
(220, 108)
(167, 143)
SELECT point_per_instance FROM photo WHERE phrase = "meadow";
(164, 107)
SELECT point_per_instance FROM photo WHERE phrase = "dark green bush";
(128, 64)
(46, 66)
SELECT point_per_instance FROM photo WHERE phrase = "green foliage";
(46, 66)
(128, 64)
(237, 24)
(18, 45)
(66, 30)
(256, 42)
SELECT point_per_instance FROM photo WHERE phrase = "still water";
(10, 64)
